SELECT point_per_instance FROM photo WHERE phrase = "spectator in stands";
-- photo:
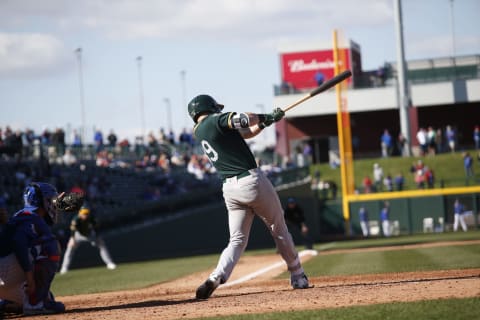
(381, 75)
(285, 87)
(185, 138)
(152, 142)
(124, 146)
(112, 140)
(60, 141)
(299, 157)
(431, 141)
(377, 176)
(450, 136)
(98, 140)
(367, 184)
(399, 181)
(476, 137)
(194, 167)
(439, 140)
(162, 137)
(13, 144)
(468, 166)
(386, 144)
(429, 177)
(46, 137)
(171, 137)
(164, 162)
(76, 140)
(69, 158)
(27, 141)
(459, 215)
(422, 141)
(363, 217)
(307, 153)
(385, 219)
(402, 145)
(319, 77)
(420, 178)
(419, 165)
(77, 187)
(102, 159)
(388, 183)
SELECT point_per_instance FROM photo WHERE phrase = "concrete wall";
(384, 98)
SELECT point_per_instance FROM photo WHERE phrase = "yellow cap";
(84, 211)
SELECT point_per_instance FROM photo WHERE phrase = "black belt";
(241, 175)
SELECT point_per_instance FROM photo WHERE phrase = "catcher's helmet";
(40, 195)
(203, 104)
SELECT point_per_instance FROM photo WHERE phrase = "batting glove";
(277, 114)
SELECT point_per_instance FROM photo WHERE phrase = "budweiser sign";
(300, 65)
(299, 68)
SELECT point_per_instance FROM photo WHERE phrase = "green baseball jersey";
(84, 227)
(224, 146)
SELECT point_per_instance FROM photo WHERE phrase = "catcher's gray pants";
(246, 197)
(73, 245)
(12, 278)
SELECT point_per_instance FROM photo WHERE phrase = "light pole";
(78, 53)
(402, 82)
(140, 86)
(452, 26)
(183, 75)
(169, 113)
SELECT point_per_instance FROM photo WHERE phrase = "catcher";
(29, 254)
(84, 229)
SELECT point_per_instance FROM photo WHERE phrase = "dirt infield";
(175, 300)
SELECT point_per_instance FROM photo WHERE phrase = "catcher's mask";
(203, 104)
(41, 195)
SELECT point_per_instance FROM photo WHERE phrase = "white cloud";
(31, 53)
(238, 20)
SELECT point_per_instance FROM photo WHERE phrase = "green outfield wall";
(204, 229)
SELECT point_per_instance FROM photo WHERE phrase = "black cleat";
(299, 282)
(207, 288)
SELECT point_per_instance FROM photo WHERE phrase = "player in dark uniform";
(83, 228)
(246, 190)
(295, 217)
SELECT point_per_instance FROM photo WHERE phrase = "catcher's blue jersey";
(26, 234)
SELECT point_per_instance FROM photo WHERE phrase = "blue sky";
(227, 48)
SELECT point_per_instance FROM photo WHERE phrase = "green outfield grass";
(143, 274)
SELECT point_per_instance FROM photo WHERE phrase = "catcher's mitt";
(69, 202)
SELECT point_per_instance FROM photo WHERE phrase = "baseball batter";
(246, 190)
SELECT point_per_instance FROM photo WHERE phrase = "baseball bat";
(323, 87)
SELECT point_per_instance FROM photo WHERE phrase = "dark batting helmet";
(203, 104)
(41, 195)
